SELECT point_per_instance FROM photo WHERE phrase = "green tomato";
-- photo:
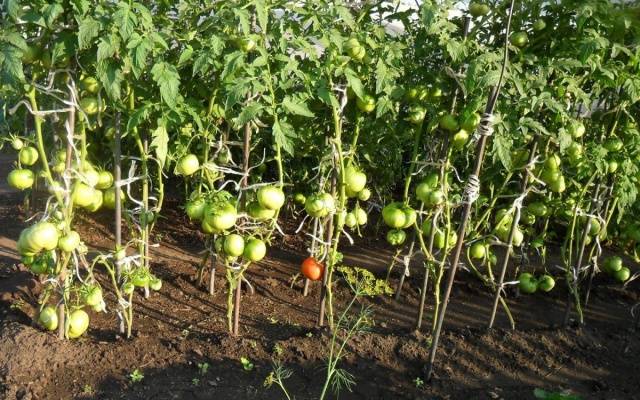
(109, 198)
(92, 296)
(396, 237)
(613, 144)
(20, 179)
(478, 250)
(299, 198)
(31, 54)
(355, 180)
(552, 163)
(416, 115)
(314, 206)
(471, 122)
(140, 277)
(350, 220)
(38, 237)
(558, 186)
(155, 284)
(187, 165)
(17, 144)
(478, 9)
(460, 139)
(48, 318)
(82, 195)
(366, 104)
(271, 197)
(364, 194)
(254, 250)
(436, 197)
(220, 216)
(423, 192)
(69, 242)
(256, 211)
(195, 209)
(612, 166)
(449, 123)
(361, 216)
(576, 129)
(90, 84)
(519, 39)
(409, 215)
(622, 275)
(528, 283)
(546, 283)
(394, 216)
(247, 44)
(613, 264)
(96, 202)
(233, 245)
(28, 156)
(539, 25)
(78, 323)
(105, 180)
(128, 288)
(89, 105)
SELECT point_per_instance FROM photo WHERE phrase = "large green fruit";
(394, 216)
(220, 216)
(48, 318)
(109, 198)
(105, 180)
(28, 156)
(69, 242)
(354, 179)
(20, 179)
(233, 245)
(78, 323)
(254, 250)
(528, 284)
(195, 209)
(271, 197)
(187, 165)
(256, 211)
(82, 195)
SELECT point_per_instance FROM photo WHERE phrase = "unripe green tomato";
(17, 144)
(396, 237)
(449, 123)
(361, 216)
(28, 156)
(471, 122)
(528, 284)
(20, 179)
(234, 245)
(539, 25)
(519, 39)
(546, 283)
(364, 194)
(478, 9)
(478, 250)
(366, 104)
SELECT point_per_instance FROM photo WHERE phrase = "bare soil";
(182, 326)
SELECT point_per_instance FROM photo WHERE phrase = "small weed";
(247, 365)
(17, 305)
(195, 382)
(136, 376)
(278, 350)
(418, 382)
(88, 390)
(203, 368)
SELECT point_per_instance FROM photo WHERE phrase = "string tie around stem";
(471, 190)
(485, 128)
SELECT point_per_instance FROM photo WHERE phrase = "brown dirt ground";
(182, 326)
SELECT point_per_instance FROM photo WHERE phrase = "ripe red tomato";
(312, 269)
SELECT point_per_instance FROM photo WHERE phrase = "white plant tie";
(485, 127)
(302, 224)
(346, 234)
(471, 190)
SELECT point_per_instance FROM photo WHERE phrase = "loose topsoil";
(181, 345)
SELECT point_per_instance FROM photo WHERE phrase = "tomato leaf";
(10, 64)
(247, 114)
(111, 78)
(296, 106)
(283, 132)
(125, 20)
(87, 31)
(160, 142)
(168, 79)
(185, 56)
(262, 14)
(354, 82)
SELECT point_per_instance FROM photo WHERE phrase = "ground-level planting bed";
(182, 347)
